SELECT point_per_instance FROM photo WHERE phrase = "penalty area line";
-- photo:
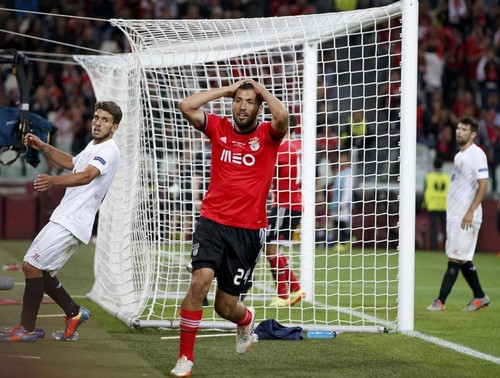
(456, 347)
(199, 336)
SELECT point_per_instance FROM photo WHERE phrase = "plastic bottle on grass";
(40, 333)
(321, 334)
(57, 335)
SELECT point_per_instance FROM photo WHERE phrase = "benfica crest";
(254, 143)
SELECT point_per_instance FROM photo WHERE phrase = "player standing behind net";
(285, 216)
(71, 223)
(231, 228)
(469, 184)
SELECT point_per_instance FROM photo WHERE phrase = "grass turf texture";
(108, 348)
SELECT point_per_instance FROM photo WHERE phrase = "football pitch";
(452, 343)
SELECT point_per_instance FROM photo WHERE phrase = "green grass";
(108, 348)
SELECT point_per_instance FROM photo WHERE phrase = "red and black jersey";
(287, 180)
(240, 174)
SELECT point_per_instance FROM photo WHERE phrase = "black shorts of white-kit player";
(232, 253)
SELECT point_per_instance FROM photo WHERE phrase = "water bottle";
(57, 335)
(321, 334)
(4, 331)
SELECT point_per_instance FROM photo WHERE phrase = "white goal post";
(349, 82)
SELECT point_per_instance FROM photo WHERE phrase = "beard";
(102, 137)
(245, 125)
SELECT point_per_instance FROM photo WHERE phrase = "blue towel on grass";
(270, 329)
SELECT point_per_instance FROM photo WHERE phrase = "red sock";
(294, 284)
(287, 276)
(246, 319)
(279, 268)
(189, 324)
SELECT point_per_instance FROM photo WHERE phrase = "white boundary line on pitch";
(16, 356)
(436, 340)
(50, 316)
(456, 347)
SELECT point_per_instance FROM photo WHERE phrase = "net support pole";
(308, 231)
(408, 166)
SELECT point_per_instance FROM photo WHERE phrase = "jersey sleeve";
(482, 166)
(104, 159)
(211, 123)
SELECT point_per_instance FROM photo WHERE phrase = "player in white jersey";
(469, 184)
(92, 172)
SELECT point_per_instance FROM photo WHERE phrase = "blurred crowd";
(459, 64)
(459, 72)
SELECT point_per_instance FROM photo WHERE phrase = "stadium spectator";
(340, 202)
(488, 74)
(437, 184)
(490, 126)
(465, 105)
(446, 144)
(229, 232)
(454, 68)
(353, 137)
(469, 184)
(432, 71)
(345, 5)
(476, 43)
(458, 14)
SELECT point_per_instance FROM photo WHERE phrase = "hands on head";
(258, 87)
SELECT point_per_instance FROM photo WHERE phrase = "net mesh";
(145, 225)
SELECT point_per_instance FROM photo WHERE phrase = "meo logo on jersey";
(237, 158)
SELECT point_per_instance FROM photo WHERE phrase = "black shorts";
(231, 252)
(282, 222)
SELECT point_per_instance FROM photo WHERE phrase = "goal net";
(339, 75)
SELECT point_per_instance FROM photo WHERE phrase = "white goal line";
(456, 347)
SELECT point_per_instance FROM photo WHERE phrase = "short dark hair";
(248, 86)
(112, 109)
(474, 126)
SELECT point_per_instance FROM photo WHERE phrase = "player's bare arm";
(280, 115)
(191, 107)
(44, 182)
(478, 198)
(61, 158)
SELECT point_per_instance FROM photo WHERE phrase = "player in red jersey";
(285, 217)
(231, 229)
